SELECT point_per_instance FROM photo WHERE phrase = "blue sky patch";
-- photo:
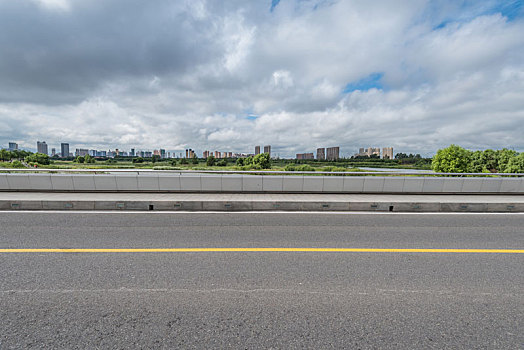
(511, 9)
(274, 4)
(369, 82)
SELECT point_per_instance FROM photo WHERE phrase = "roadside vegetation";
(455, 159)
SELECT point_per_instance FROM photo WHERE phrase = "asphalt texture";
(258, 299)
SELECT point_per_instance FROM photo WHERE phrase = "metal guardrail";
(257, 172)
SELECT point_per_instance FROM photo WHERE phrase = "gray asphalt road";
(260, 299)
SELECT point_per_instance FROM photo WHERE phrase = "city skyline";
(325, 153)
(417, 76)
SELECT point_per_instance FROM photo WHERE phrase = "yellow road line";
(298, 250)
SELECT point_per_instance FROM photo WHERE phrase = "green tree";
(79, 159)
(17, 164)
(138, 160)
(476, 165)
(453, 159)
(222, 162)
(489, 160)
(262, 160)
(504, 156)
(240, 161)
(210, 161)
(516, 164)
(155, 158)
(5, 155)
(89, 159)
(39, 158)
(183, 161)
(195, 159)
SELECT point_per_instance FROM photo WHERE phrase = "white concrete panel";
(84, 182)
(491, 184)
(190, 183)
(313, 183)
(510, 185)
(40, 182)
(127, 182)
(433, 184)
(251, 183)
(353, 184)
(373, 184)
(148, 182)
(413, 184)
(293, 183)
(18, 182)
(393, 184)
(211, 183)
(272, 183)
(4, 185)
(62, 182)
(169, 182)
(472, 184)
(232, 183)
(452, 184)
(521, 189)
(333, 184)
(105, 183)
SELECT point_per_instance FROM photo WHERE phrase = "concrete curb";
(188, 205)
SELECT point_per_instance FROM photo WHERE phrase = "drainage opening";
(390, 208)
(151, 207)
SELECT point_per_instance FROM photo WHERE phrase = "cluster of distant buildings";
(65, 152)
(333, 153)
(329, 153)
(229, 154)
(42, 147)
(387, 152)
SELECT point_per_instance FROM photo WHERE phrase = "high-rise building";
(132, 153)
(257, 150)
(267, 149)
(217, 154)
(332, 153)
(368, 152)
(305, 156)
(321, 154)
(162, 153)
(13, 146)
(64, 150)
(41, 147)
(53, 152)
(230, 154)
(82, 152)
(190, 153)
(387, 152)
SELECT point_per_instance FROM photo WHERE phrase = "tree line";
(455, 159)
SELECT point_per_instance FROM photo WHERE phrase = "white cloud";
(61, 5)
(188, 75)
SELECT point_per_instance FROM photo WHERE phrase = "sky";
(295, 74)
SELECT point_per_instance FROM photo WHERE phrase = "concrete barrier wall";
(257, 183)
